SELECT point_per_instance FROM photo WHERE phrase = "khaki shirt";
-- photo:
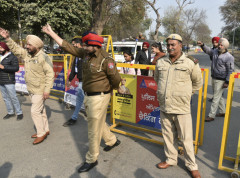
(176, 83)
(39, 75)
(99, 70)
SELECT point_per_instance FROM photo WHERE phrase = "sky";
(210, 6)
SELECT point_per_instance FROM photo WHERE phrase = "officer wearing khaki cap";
(39, 78)
(178, 77)
(100, 76)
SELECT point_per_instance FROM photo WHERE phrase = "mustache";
(169, 50)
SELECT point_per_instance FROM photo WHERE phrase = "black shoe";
(8, 116)
(19, 117)
(87, 166)
(108, 148)
(69, 122)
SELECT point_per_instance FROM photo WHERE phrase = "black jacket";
(142, 58)
(79, 67)
(7, 75)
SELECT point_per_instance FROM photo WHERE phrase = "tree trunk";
(97, 25)
(51, 45)
(158, 24)
(158, 20)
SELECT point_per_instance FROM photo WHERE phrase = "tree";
(182, 21)
(127, 19)
(172, 21)
(65, 17)
(8, 15)
(191, 19)
(158, 20)
(202, 33)
(231, 13)
(237, 36)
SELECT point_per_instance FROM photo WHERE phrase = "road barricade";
(235, 170)
(136, 102)
(60, 63)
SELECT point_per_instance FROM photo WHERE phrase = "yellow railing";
(235, 171)
(201, 111)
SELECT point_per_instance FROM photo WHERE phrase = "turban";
(216, 38)
(146, 43)
(224, 42)
(4, 46)
(35, 41)
(92, 38)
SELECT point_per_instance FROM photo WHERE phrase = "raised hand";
(47, 29)
(4, 33)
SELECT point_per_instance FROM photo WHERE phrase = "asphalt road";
(62, 153)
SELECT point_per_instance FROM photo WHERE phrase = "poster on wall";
(124, 100)
(147, 109)
(20, 84)
(59, 81)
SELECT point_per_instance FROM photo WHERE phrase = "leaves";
(185, 22)
(231, 12)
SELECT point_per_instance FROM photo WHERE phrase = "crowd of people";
(177, 75)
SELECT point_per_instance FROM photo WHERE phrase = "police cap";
(174, 37)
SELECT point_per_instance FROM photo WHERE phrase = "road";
(62, 153)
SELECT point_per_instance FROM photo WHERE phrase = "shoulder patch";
(192, 59)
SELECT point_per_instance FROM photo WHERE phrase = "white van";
(119, 47)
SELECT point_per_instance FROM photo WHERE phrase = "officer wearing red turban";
(100, 77)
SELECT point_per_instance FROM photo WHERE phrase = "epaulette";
(193, 59)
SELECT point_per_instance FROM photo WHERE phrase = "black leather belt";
(96, 93)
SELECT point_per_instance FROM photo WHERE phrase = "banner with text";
(70, 94)
(147, 110)
(20, 84)
(124, 100)
(59, 81)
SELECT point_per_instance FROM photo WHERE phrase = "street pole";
(234, 28)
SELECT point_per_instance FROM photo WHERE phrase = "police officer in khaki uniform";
(100, 76)
(177, 77)
(39, 78)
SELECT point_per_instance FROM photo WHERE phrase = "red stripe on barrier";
(236, 75)
(147, 68)
(202, 69)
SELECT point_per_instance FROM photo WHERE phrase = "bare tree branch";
(158, 20)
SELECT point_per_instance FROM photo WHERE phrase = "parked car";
(119, 47)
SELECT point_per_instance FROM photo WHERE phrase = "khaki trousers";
(39, 115)
(218, 100)
(96, 109)
(174, 127)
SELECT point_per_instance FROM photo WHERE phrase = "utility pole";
(234, 28)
